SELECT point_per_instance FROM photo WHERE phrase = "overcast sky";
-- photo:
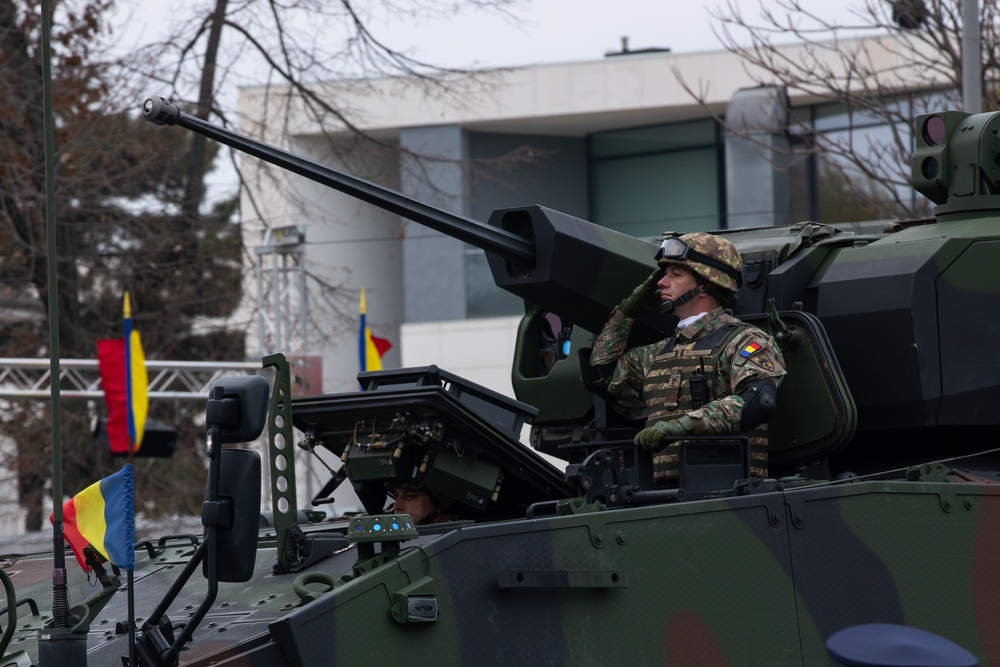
(563, 30)
(544, 31)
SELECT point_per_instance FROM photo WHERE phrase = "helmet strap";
(721, 295)
(670, 305)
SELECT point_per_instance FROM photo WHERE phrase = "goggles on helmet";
(674, 249)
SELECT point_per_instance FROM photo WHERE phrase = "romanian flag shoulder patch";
(749, 350)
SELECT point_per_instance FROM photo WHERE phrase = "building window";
(482, 297)
(845, 191)
(648, 180)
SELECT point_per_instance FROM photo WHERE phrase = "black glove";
(643, 297)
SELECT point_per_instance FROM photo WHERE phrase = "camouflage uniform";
(652, 382)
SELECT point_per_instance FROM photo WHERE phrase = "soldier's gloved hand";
(649, 438)
(643, 297)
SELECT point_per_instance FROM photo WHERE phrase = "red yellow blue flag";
(370, 348)
(749, 349)
(102, 516)
(125, 384)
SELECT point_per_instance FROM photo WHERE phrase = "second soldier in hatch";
(423, 506)
(714, 375)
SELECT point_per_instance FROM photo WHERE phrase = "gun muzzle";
(159, 110)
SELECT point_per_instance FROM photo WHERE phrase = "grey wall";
(433, 262)
(443, 278)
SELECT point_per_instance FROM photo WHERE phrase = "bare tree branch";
(879, 73)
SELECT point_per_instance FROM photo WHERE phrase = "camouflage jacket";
(749, 354)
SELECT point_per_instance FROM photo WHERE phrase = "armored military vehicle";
(882, 507)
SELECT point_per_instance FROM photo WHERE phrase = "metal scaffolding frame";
(282, 318)
(281, 285)
(81, 379)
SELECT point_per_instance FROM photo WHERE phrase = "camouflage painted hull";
(757, 580)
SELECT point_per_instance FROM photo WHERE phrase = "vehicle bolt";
(621, 537)
(598, 539)
(969, 503)
(946, 504)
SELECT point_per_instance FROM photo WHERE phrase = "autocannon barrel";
(560, 263)
(506, 244)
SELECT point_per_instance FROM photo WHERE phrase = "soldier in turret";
(423, 506)
(714, 375)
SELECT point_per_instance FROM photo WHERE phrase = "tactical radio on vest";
(699, 386)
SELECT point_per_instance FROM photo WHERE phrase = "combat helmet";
(712, 258)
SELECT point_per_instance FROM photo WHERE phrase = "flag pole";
(362, 339)
(130, 578)
(60, 595)
(370, 348)
(130, 416)
(57, 645)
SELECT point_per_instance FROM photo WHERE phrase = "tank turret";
(892, 306)
(909, 306)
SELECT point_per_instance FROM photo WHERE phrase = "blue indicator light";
(358, 528)
(376, 527)
(395, 526)
(565, 348)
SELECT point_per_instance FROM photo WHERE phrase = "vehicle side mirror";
(239, 501)
(236, 413)
(237, 408)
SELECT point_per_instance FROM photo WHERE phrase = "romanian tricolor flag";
(123, 377)
(102, 516)
(370, 348)
(749, 349)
